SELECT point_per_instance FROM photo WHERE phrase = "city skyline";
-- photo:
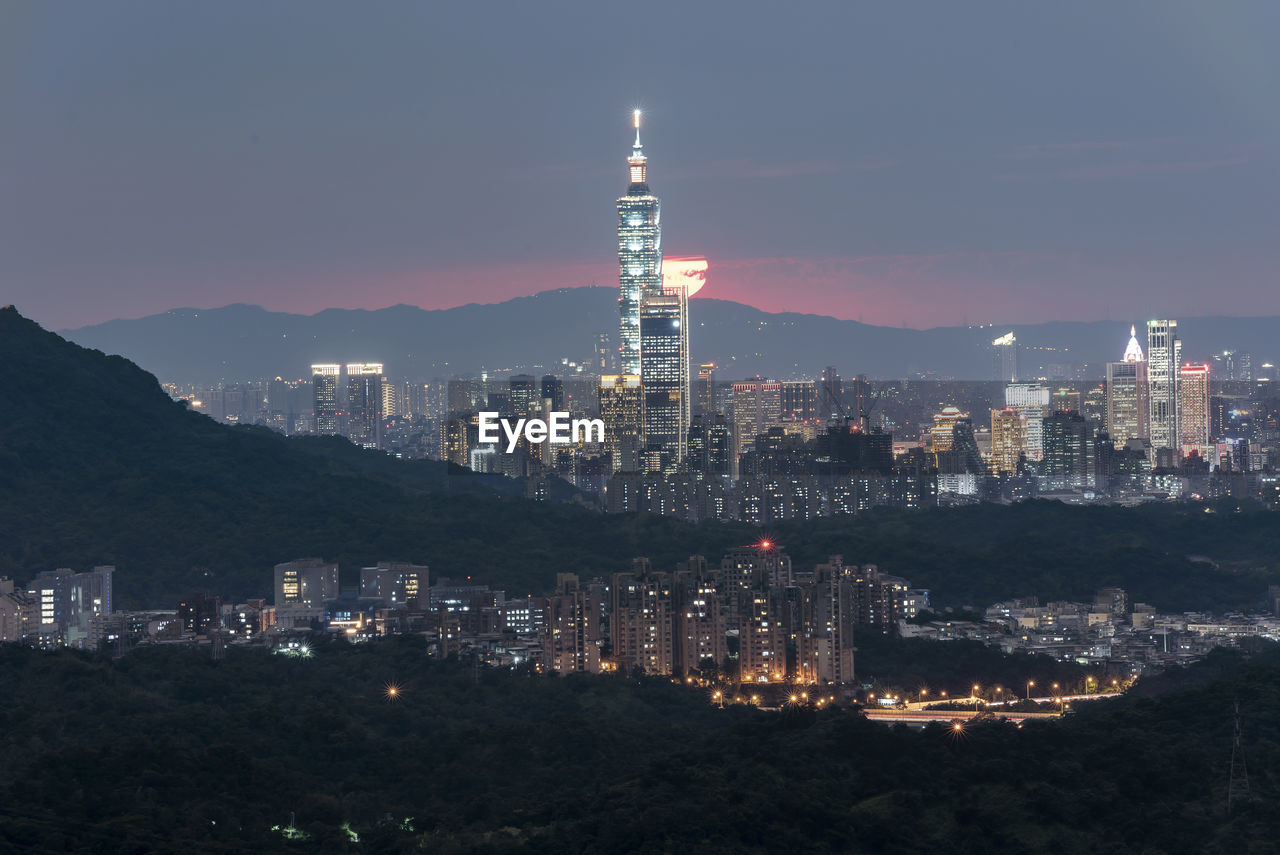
(863, 175)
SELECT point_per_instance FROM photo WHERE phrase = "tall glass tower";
(1164, 358)
(639, 254)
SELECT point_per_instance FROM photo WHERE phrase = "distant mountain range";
(241, 342)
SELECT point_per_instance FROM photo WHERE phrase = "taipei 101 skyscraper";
(639, 254)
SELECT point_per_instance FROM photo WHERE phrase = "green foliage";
(166, 750)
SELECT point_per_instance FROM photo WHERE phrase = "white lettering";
(536, 431)
(488, 427)
(513, 436)
(588, 426)
(559, 428)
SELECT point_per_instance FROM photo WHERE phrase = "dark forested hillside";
(167, 751)
(99, 466)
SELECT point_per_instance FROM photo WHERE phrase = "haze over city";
(979, 163)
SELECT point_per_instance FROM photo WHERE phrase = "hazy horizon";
(694, 301)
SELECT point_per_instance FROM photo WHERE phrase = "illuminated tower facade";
(622, 410)
(1193, 405)
(664, 374)
(1127, 401)
(639, 255)
(1032, 400)
(1164, 358)
(1004, 352)
(1008, 439)
(324, 387)
(364, 403)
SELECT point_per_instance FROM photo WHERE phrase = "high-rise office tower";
(943, 430)
(1032, 400)
(799, 400)
(1127, 405)
(1193, 405)
(710, 445)
(622, 411)
(757, 406)
(524, 396)
(1008, 439)
(705, 394)
(364, 403)
(830, 395)
(639, 254)
(394, 399)
(664, 374)
(1070, 455)
(553, 392)
(858, 400)
(1164, 358)
(324, 385)
(1004, 352)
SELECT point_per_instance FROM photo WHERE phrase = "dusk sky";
(917, 163)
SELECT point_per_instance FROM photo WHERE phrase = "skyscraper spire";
(636, 162)
(639, 253)
(1133, 353)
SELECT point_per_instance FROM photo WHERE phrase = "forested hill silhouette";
(241, 342)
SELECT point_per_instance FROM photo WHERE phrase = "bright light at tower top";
(636, 119)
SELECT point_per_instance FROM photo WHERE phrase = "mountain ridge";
(243, 341)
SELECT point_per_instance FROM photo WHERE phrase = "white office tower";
(1032, 400)
(1164, 358)
(1127, 398)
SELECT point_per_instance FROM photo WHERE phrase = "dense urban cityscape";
(401, 538)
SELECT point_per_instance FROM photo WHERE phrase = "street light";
(1030, 683)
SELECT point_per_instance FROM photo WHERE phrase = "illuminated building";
(1128, 408)
(1193, 405)
(710, 445)
(642, 621)
(571, 633)
(830, 395)
(306, 583)
(524, 396)
(1008, 440)
(762, 643)
(757, 406)
(1005, 357)
(394, 583)
(799, 400)
(364, 403)
(828, 615)
(943, 431)
(394, 400)
(553, 392)
(456, 435)
(1164, 358)
(706, 391)
(68, 606)
(1032, 400)
(1070, 454)
(639, 254)
(324, 385)
(622, 411)
(664, 375)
